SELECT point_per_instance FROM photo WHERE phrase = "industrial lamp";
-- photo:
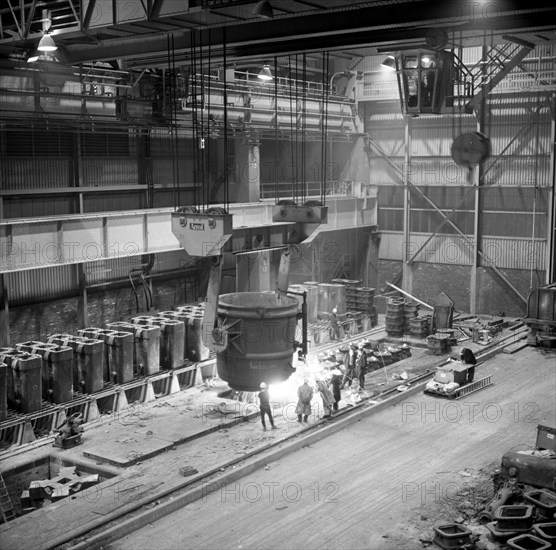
(47, 44)
(31, 55)
(263, 9)
(389, 63)
(265, 74)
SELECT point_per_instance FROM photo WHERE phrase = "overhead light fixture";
(265, 74)
(47, 44)
(389, 62)
(263, 9)
(33, 57)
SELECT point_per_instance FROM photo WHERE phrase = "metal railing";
(284, 189)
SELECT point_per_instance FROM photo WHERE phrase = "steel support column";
(551, 213)
(4, 314)
(478, 179)
(82, 303)
(473, 282)
(407, 271)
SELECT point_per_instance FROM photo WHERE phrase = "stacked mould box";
(88, 361)
(439, 344)
(3, 393)
(118, 360)
(395, 317)
(146, 345)
(411, 310)
(57, 369)
(419, 326)
(23, 380)
(365, 304)
(196, 350)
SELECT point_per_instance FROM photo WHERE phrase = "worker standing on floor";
(351, 366)
(336, 383)
(327, 397)
(304, 397)
(264, 403)
(468, 357)
(361, 367)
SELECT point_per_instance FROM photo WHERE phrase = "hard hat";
(263, 385)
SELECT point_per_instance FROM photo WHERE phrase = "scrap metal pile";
(521, 511)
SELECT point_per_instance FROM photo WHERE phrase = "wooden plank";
(512, 348)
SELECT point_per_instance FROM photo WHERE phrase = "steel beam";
(499, 76)
(53, 241)
(440, 226)
(19, 30)
(30, 18)
(331, 29)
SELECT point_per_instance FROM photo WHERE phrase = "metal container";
(171, 339)
(260, 332)
(312, 288)
(332, 296)
(182, 315)
(24, 380)
(118, 367)
(57, 369)
(196, 349)
(146, 345)
(88, 361)
(312, 302)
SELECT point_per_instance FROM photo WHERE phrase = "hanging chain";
(226, 167)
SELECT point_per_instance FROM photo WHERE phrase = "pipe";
(409, 295)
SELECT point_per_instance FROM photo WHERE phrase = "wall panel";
(41, 284)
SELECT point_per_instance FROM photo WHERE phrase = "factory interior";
(277, 274)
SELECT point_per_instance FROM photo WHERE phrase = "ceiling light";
(263, 9)
(265, 73)
(389, 62)
(33, 57)
(47, 44)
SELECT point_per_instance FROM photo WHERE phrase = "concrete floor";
(358, 487)
(365, 472)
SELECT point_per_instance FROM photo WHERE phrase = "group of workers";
(331, 393)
